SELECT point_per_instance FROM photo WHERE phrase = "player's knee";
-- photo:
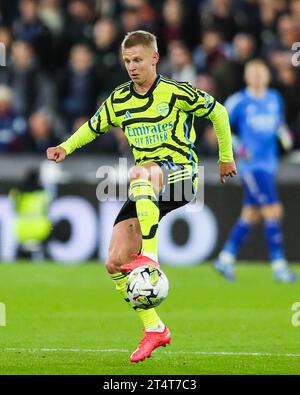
(116, 259)
(111, 267)
(150, 172)
(139, 172)
(113, 264)
(250, 215)
(281, 211)
(273, 212)
(155, 176)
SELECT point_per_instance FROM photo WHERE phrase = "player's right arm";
(100, 123)
(57, 154)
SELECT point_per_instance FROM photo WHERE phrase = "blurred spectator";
(206, 83)
(178, 22)
(8, 11)
(172, 27)
(107, 42)
(122, 142)
(106, 35)
(219, 14)
(40, 133)
(211, 52)
(78, 85)
(31, 88)
(29, 27)
(206, 141)
(108, 143)
(79, 122)
(209, 143)
(12, 125)
(229, 75)
(248, 18)
(108, 8)
(79, 23)
(146, 12)
(286, 34)
(287, 81)
(130, 20)
(51, 14)
(269, 12)
(295, 13)
(287, 31)
(6, 39)
(179, 65)
(32, 225)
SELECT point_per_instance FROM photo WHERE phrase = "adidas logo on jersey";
(127, 115)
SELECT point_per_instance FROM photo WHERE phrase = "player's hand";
(227, 169)
(57, 154)
(285, 137)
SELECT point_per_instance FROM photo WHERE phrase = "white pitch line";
(233, 353)
(116, 350)
(79, 350)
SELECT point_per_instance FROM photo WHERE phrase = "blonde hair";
(256, 62)
(139, 37)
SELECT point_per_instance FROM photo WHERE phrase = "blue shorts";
(259, 188)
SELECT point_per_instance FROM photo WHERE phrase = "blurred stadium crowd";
(62, 60)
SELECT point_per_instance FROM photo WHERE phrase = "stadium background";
(62, 59)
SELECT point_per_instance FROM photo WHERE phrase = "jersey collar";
(257, 98)
(148, 93)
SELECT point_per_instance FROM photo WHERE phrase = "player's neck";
(145, 86)
(257, 92)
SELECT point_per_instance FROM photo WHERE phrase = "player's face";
(257, 77)
(140, 63)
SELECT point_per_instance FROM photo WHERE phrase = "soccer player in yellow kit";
(157, 117)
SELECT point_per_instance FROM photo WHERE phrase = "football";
(147, 287)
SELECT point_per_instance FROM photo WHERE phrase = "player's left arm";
(204, 105)
(283, 132)
(219, 118)
(285, 137)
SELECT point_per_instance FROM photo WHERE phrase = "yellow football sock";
(149, 317)
(148, 214)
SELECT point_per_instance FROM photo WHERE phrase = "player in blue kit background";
(257, 115)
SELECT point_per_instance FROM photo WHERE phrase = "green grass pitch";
(69, 320)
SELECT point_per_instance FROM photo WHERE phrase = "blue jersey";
(257, 121)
